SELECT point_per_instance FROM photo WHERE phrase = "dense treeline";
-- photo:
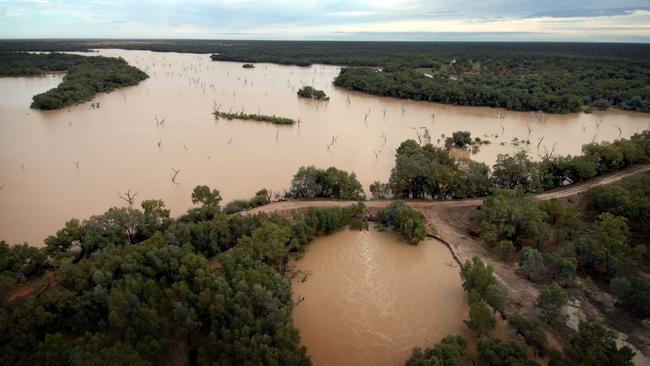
(86, 76)
(547, 89)
(553, 77)
(136, 287)
(429, 172)
(417, 54)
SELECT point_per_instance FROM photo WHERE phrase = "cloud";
(552, 20)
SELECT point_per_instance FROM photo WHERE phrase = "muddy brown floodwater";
(119, 146)
(369, 298)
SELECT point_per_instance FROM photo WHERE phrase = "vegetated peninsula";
(254, 117)
(86, 76)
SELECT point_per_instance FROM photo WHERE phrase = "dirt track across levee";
(451, 218)
(573, 189)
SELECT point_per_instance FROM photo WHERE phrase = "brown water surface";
(117, 145)
(369, 298)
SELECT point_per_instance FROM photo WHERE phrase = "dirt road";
(296, 205)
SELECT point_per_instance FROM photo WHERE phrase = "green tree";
(496, 352)
(514, 216)
(596, 346)
(380, 190)
(633, 293)
(449, 352)
(516, 171)
(406, 221)
(480, 316)
(607, 245)
(531, 331)
(532, 263)
(551, 300)
(562, 269)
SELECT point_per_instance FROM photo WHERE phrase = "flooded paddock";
(55, 165)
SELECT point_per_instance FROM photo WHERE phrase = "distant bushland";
(86, 76)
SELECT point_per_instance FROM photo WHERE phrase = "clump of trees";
(248, 66)
(86, 76)
(407, 222)
(312, 93)
(312, 182)
(629, 198)
(449, 351)
(254, 117)
(496, 352)
(594, 345)
(459, 139)
(424, 171)
(429, 172)
(632, 293)
(261, 198)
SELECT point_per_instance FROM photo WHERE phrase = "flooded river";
(369, 298)
(55, 165)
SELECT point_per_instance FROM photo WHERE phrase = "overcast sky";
(422, 20)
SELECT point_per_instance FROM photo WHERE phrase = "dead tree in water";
(332, 142)
(159, 143)
(76, 164)
(530, 130)
(620, 131)
(160, 122)
(365, 117)
(300, 299)
(384, 112)
(540, 141)
(174, 174)
(128, 197)
(598, 122)
(540, 116)
(549, 154)
(1, 187)
(403, 110)
(383, 136)
(347, 98)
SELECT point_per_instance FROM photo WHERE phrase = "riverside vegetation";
(552, 77)
(85, 76)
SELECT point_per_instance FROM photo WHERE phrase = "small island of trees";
(248, 66)
(254, 117)
(86, 76)
(311, 93)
